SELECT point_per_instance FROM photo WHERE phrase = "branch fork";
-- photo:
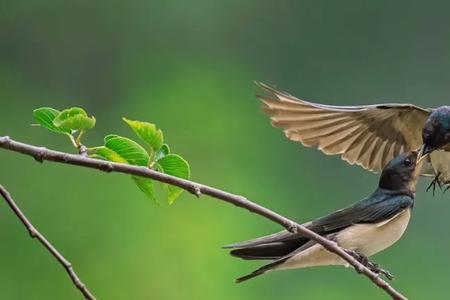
(195, 188)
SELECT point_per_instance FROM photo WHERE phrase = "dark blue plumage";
(362, 226)
(436, 132)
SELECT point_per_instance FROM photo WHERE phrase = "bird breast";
(369, 239)
(440, 162)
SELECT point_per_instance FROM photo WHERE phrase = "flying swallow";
(367, 135)
(366, 227)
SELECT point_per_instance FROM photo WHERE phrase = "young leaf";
(173, 164)
(146, 186)
(127, 149)
(163, 151)
(147, 132)
(123, 150)
(108, 154)
(75, 119)
(45, 116)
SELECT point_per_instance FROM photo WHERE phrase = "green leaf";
(123, 150)
(147, 132)
(146, 186)
(75, 119)
(127, 149)
(45, 116)
(163, 151)
(109, 154)
(175, 165)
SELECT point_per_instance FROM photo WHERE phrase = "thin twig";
(34, 233)
(41, 154)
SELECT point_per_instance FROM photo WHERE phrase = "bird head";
(401, 173)
(436, 132)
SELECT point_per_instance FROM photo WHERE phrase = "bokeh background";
(189, 67)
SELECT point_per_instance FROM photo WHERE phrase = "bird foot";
(447, 187)
(358, 256)
(374, 267)
(436, 182)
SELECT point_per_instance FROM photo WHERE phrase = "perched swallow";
(370, 135)
(366, 227)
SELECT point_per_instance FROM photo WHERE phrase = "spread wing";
(369, 135)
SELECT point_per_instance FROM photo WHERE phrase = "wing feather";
(369, 135)
(368, 211)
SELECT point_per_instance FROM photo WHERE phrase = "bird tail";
(264, 251)
(272, 246)
(279, 252)
(264, 269)
(249, 276)
(277, 247)
(275, 251)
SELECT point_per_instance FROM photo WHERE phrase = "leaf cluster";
(154, 153)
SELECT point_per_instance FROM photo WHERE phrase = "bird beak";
(424, 151)
(427, 149)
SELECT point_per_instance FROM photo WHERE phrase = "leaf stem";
(91, 149)
(78, 140)
(72, 140)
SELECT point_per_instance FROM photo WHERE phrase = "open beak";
(424, 151)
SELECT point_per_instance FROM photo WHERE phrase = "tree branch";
(41, 154)
(34, 233)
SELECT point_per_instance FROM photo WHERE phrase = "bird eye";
(408, 162)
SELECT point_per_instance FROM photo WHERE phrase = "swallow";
(366, 135)
(364, 228)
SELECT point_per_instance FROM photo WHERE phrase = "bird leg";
(358, 256)
(435, 182)
(447, 187)
(361, 258)
(374, 267)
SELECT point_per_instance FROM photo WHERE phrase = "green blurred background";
(189, 67)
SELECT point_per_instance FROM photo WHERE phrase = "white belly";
(368, 239)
